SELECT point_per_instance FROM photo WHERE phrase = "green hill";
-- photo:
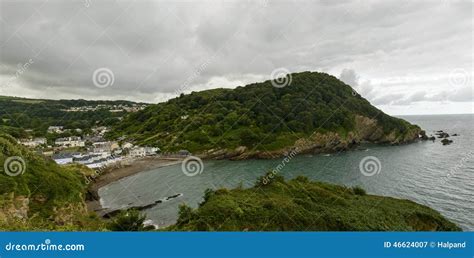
(301, 205)
(37, 194)
(316, 112)
(19, 114)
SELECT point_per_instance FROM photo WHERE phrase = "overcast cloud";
(406, 57)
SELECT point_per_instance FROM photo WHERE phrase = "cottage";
(138, 152)
(100, 130)
(73, 141)
(127, 145)
(55, 129)
(33, 142)
(109, 147)
(103, 162)
(87, 159)
(150, 151)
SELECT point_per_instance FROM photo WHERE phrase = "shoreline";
(116, 173)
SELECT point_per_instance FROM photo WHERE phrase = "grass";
(301, 205)
(54, 194)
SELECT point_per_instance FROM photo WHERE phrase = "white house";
(100, 130)
(87, 159)
(33, 142)
(55, 129)
(73, 141)
(127, 145)
(108, 147)
(143, 151)
(103, 162)
(150, 151)
(138, 152)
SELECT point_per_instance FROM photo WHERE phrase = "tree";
(248, 137)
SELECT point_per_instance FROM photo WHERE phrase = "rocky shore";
(366, 130)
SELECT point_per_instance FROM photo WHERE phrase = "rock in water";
(446, 141)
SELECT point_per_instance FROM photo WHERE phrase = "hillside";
(315, 113)
(20, 114)
(301, 205)
(37, 194)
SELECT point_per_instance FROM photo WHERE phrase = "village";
(91, 150)
(111, 108)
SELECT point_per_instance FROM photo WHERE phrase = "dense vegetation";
(301, 205)
(18, 114)
(49, 197)
(45, 196)
(257, 116)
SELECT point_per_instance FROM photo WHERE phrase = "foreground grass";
(44, 196)
(301, 205)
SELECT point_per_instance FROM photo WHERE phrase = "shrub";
(269, 178)
(129, 220)
(185, 214)
(357, 190)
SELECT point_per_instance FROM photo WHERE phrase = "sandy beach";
(113, 174)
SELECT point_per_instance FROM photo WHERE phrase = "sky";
(405, 57)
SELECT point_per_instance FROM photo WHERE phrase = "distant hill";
(37, 194)
(316, 112)
(20, 114)
(302, 205)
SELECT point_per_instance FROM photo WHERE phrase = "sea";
(429, 173)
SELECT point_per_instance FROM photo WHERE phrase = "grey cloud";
(349, 77)
(364, 88)
(387, 99)
(156, 47)
(461, 94)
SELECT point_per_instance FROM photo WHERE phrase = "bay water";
(441, 177)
